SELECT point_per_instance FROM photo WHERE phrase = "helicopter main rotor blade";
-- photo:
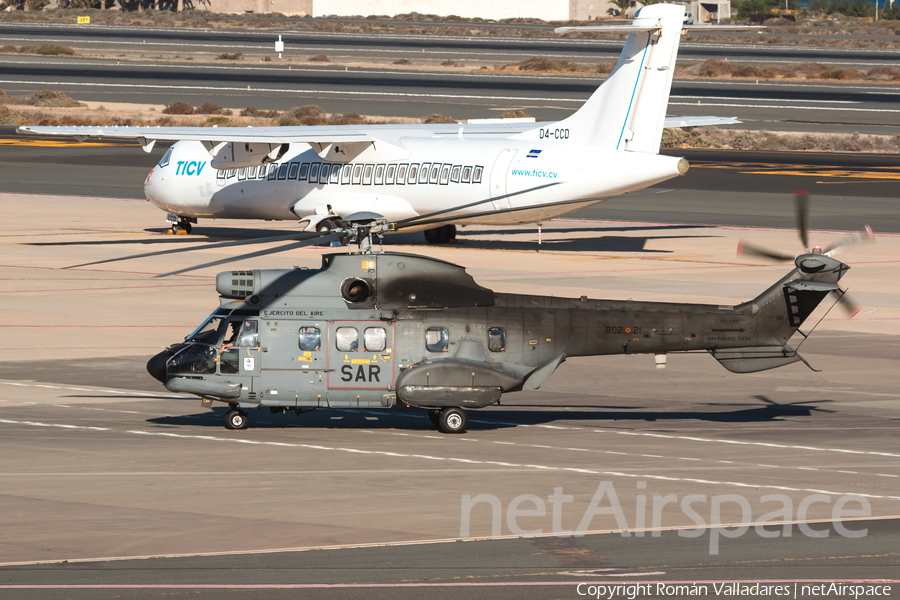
(318, 239)
(801, 205)
(866, 236)
(745, 249)
(843, 298)
(297, 235)
(414, 221)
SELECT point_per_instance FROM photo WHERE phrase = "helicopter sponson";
(386, 329)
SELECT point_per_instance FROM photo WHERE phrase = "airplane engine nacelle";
(237, 155)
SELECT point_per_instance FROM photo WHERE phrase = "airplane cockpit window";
(476, 174)
(164, 161)
(496, 339)
(346, 339)
(436, 339)
(310, 339)
(208, 332)
(467, 174)
(375, 338)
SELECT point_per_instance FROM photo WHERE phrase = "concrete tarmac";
(102, 465)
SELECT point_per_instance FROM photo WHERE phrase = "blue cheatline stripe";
(630, 102)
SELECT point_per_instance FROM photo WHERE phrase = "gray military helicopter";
(382, 329)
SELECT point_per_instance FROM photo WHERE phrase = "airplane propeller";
(801, 209)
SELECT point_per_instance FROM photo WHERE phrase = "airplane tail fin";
(627, 112)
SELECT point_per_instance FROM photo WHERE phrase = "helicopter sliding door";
(360, 363)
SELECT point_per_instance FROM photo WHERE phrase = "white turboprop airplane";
(494, 173)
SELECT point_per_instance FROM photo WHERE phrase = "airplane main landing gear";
(236, 419)
(453, 420)
(446, 234)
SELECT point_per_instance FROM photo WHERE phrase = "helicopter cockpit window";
(164, 161)
(310, 339)
(208, 332)
(376, 339)
(249, 334)
(347, 339)
(436, 339)
(496, 339)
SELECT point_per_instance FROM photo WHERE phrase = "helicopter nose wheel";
(453, 420)
(236, 419)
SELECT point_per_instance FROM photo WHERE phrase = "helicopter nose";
(156, 366)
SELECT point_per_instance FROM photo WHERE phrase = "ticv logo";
(189, 167)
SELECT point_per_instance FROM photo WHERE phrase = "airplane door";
(498, 176)
(360, 360)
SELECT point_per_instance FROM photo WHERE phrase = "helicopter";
(373, 329)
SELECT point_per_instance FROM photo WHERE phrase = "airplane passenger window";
(252, 173)
(445, 174)
(433, 177)
(335, 174)
(375, 338)
(346, 339)
(304, 171)
(379, 174)
(357, 173)
(423, 172)
(164, 161)
(232, 173)
(310, 339)
(496, 339)
(324, 173)
(345, 177)
(273, 168)
(389, 175)
(314, 172)
(282, 171)
(262, 172)
(467, 174)
(436, 339)
(401, 174)
(454, 174)
(242, 174)
(367, 175)
(292, 172)
(220, 174)
(476, 174)
(413, 174)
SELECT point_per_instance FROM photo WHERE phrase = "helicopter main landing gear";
(446, 234)
(180, 225)
(451, 419)
(236, 419)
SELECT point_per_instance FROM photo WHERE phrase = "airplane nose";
(156, 366)
(151, 182)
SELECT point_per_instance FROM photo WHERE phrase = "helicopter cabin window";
(389, 175)
(467, 174)
(345, 176)
(367, 176)
(310, 339)
(164, 161)
(282, 171)
(304, 172)
(242, 174)
(454, 174)
(436, 339)
(413, 173)
(346, 339)
(496, 339)
(375, 338)
(401, 174)
(231, 173)
(357, 174)
(335, 174)
(476, 174)
(324, 173)
(445, 174)
(435, 169)
(423, 172)
(293, 170)
(379, 174)
(314, 172)
(220, 175)
(252, 173)
(273, 169)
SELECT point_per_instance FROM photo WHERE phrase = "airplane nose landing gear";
(180, 225)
